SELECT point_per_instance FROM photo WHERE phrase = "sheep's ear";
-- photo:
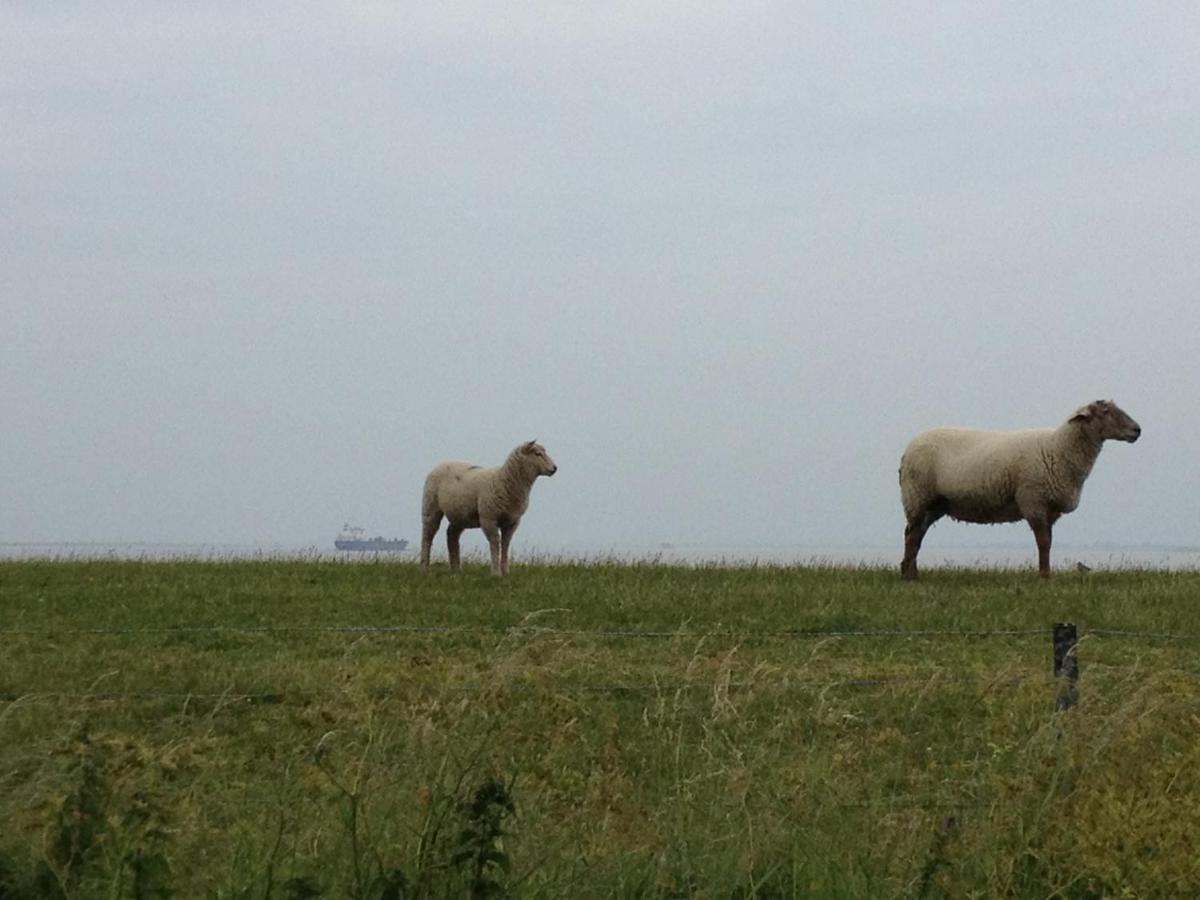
(531, 444)
(1082, 414)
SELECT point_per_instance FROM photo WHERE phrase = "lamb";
(1004, 476)
(493, 499)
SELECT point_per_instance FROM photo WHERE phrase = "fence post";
(1066, 665)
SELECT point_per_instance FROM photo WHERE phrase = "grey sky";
(264, 264)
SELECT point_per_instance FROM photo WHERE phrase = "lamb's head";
(534, 456)
(1104, 420)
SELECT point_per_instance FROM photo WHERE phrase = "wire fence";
(611, 688)
(637, 689)
(682, 694)
(140, 702)
(804, 633)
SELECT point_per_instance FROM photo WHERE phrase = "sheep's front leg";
(453, 533)
(506, 535)
(1041, 534)
(492, 530)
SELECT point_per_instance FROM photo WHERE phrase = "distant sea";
(1014, 555)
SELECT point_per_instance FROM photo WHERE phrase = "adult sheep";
(1004, 476)
(493, 499)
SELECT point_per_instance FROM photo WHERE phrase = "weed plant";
(287, 729)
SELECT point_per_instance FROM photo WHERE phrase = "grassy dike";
(291, 728)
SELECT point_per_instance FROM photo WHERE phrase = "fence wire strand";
(1152, 635)
(516, 629)
(584, 688)
(797, 633)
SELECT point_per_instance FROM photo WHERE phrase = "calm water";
(997, 556)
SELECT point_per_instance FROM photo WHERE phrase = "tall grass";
(203, 729)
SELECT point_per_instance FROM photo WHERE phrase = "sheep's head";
(537, 456)
(1107, 421)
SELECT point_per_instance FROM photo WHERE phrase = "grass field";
(284, 728)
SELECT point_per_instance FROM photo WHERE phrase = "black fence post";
(1066, 665)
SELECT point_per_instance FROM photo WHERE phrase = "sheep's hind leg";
(453, 533)
(914, 533)
(492, 531)
(429, 528)
(1041, 534)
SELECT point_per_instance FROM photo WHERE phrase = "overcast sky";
(263, 265)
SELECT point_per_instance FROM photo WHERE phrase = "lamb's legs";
(506, 535)
(453, 532)
(492, 531)
(429, 527)
(914, 533)
(1041, 534)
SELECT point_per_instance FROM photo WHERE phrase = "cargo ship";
(352, 539)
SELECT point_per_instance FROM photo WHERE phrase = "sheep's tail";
(429, 503)
(900, 473)
(911, 487)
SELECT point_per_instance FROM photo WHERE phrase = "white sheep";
(1004, 476)
(493, 499)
